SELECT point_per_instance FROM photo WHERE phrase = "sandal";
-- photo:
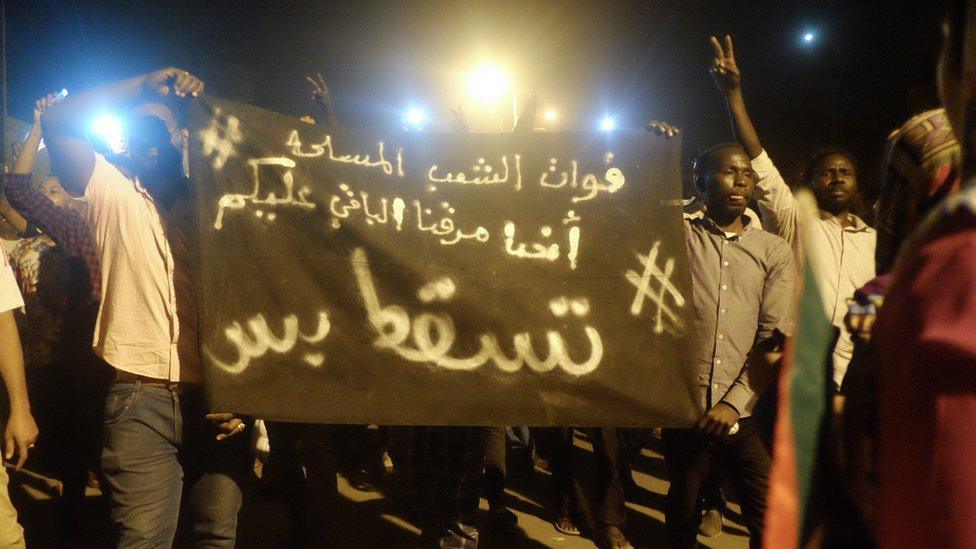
(565, 525)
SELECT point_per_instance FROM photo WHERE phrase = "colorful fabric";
(26, 261)
(921, 166)
(66, 227)
(802, 402)
(927, 386)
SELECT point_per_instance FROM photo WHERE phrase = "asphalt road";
(373, 519)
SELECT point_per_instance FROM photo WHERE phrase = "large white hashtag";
(643, 284)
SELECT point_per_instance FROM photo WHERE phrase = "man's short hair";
(707, 160)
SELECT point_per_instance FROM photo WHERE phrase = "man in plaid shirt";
(85, 377)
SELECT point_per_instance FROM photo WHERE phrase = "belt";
(129, 377)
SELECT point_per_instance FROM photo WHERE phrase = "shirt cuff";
(739, 397)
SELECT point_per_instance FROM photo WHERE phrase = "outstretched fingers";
(719, 53)
(729, 52)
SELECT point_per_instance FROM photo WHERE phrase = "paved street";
(371, 519)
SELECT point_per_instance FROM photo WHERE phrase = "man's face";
(154, 157)
(51, 188)
(834, 183)
(728, 189)
(154, 109)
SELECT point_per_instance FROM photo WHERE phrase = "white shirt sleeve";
(776, 201)
(10, 297)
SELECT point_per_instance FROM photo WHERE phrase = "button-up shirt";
(138, 330)
(847, 251)
(743, 293)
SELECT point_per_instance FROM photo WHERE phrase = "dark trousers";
(496, 475)
(609, 497)
(302, 453)
(438, 470)
(689, 456)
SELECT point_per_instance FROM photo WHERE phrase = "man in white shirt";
(21, 430)
(841, 237)
(156, 437)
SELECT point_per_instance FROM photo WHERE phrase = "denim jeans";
(158, 449)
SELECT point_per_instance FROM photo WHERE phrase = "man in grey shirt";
(743, 292)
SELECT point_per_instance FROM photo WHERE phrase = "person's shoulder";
(774, 244)
(110, 177)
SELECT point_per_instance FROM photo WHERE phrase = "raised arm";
(459, 122)
(776, 201)
(728, 78)
(23, 166)
(11, 214)
(64, 124)
(526, 121)
(323, 98)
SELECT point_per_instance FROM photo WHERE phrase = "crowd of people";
(96, 278)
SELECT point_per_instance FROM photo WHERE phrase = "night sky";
(635, 60)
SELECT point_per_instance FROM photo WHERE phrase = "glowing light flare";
(608, 123)
(809, 37)
(488, 84)
(414, 117)
(550, 115)
(111, 130)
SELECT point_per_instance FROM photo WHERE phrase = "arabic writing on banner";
(404, 278)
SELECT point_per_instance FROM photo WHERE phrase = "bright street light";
(488, 83)
(809, 37)
(608, 123)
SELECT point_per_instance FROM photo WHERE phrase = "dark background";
(636, 60)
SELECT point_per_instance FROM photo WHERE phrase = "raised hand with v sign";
(724, 70)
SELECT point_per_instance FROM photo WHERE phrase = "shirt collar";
(747, 226)
(856, 223)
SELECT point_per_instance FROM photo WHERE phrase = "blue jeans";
(156, 443)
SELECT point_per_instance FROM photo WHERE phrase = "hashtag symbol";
(219, 139)
(662, 288)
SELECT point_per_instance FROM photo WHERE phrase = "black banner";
(407, 278)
